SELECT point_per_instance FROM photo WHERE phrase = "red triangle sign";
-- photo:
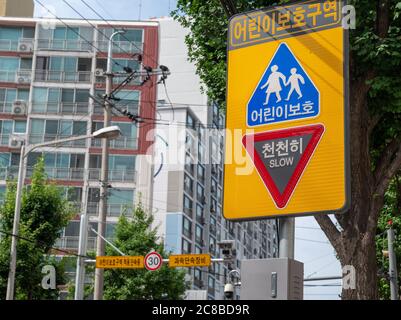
(281, 157)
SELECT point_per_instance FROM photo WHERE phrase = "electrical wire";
(311, 240)
(93, 26)
(123, 36)
(38, 242)
(73, 30)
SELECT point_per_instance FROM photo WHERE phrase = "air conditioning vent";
(25, 47)
(19, 107)
(16, 141)
(22, 79)
(99, 72)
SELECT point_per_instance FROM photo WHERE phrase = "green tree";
(135, 236)
(390, 212)
(44, 212)
(375, 102)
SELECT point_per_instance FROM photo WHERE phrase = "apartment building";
(188, 185)
(51, 83)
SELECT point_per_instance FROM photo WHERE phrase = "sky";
(109, 9)
(311, 245)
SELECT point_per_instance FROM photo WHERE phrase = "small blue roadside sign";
(284, 93)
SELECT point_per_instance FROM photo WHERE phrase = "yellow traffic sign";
(287, 112)
(120, 262)
(189, 260)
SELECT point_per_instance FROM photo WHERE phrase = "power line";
(93, 26)
(123, 36)
(38, 242)
(73, 30)
(316, 241)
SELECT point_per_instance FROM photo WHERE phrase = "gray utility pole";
(287, 236)
(392, 264)
(14, 239)
(104, 177)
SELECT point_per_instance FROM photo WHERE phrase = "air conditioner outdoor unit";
(22, 79)
(19, 107)
(99, 72)
(25, 47)
(16, 141)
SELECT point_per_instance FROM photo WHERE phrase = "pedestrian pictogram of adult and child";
(273, 84)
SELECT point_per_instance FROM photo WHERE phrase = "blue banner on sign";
(284, 93)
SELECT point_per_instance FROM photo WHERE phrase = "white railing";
(68, 45)
(8, 173)
(119, 143)
(20, 76)
(114, 175)
(39, 138)
(117, 80)
(132, 108)
(6, 107)
(113, 210)
(61, 173)
(121, 46)
(61, 108)
(15, 45)
(63, 76)
(71, 242)
(5, 139)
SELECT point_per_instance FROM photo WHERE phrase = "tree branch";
(389, 172)
(331, 232)
(229, 7)
(382, 18)
(386, 161)
(373, 122)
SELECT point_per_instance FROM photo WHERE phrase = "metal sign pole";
(287, 235)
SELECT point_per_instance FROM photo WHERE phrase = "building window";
(189, 166)
(187, 227)
(201, 173)
(190, 121)
(186, 246)
(188, 206)
(199, 235)
(200, 193)
(211, 283)
(199, 214)
(188, 184)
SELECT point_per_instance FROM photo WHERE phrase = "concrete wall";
(16, 8)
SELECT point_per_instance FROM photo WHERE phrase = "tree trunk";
(364, 262)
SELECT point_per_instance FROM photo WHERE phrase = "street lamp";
(108, 133)
(104, 176)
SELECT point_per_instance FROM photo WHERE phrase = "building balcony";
(64, 45)
(60, 108)
(71, 243)
(114, 175)
(21, 45)
(8, 173)
(63, 76)
(60, 173)
(39, 138)
(99, 109)
(113, 210)
(119, 143)
(5, 139)
(121, 46)
(20, 76)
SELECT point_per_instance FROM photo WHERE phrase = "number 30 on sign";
(153, 261)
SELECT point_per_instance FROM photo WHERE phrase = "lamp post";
(104, 176)
(109, 132)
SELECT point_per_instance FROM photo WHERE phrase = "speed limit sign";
(153, 261)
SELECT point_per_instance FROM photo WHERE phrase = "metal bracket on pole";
(108, 242)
